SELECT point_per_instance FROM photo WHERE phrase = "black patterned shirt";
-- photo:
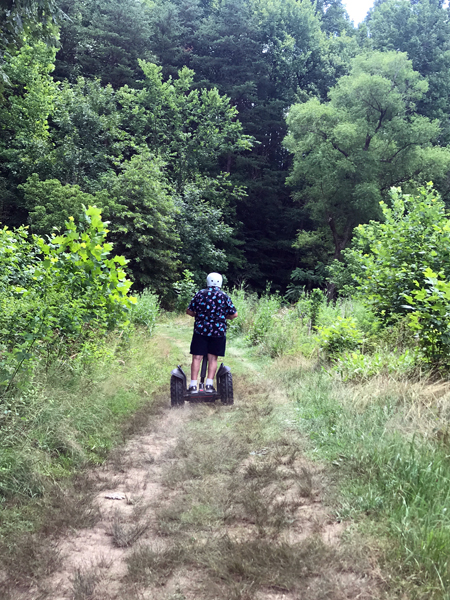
(211, 307)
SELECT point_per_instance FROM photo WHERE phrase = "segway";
(179, 392)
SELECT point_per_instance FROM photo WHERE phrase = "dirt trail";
(212, 502)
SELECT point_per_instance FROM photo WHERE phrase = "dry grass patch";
(32, 556)
(153, 564)
(124, 535)
(264, 562)
(84, 584)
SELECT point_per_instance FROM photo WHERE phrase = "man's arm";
(191, 313)
(231, 317)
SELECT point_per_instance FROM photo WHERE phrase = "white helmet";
(214, 279)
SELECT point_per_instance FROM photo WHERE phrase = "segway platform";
(179, 392)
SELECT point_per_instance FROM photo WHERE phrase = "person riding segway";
(211, 308)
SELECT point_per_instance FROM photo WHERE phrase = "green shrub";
(429, 316)
(393, 256)
(341, 335)
(55, 294)
(404, 267)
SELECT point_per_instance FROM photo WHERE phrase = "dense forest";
(245, 136)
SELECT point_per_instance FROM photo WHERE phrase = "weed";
(146, 310)
(125, 535)
(84, 583)
(263, 562)
(149, 564)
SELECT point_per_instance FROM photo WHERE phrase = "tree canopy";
(247, 136)
(351, 150)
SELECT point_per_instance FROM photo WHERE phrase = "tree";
(189, 128)
(25, 21)
(350, 151)
(421, 28)
(28, 101)
(263, 55)
(204, 219)
(50, 203)
(142, 222)
(85, 134)
(103, 39)
(334, 17)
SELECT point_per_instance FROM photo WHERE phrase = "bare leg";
(195, 366)
(212, 366)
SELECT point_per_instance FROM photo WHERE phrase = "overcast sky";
(357, 9)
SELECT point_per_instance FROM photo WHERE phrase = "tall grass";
(71, 415)
(397, 480)
(388, 443)
(146, 310)
(277, 328)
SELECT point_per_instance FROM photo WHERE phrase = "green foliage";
(316, 298)
(25, 108)
(429, 308)
(104, 40)
(350, 150)
(50, 204)
(85, 133)
(30, 20)
(56, 293)
(146, 310)
(341, 335)
(188, 127)
(351, 365)
(422, 30)
(263, 317)
(143, 221)
(403, 266)
(260, 54)
(206, 239)
(341, 275)
(394, 254)
(185, 290)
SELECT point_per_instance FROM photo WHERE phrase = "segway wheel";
(226, 389)
(176, 391)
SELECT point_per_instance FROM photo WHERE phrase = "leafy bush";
(430, 316)
(391, 258)
(341, 335)
(405, 267)
(57, 293)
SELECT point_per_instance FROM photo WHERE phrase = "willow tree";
(349, 151)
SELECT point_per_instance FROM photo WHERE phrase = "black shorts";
(202, 344)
